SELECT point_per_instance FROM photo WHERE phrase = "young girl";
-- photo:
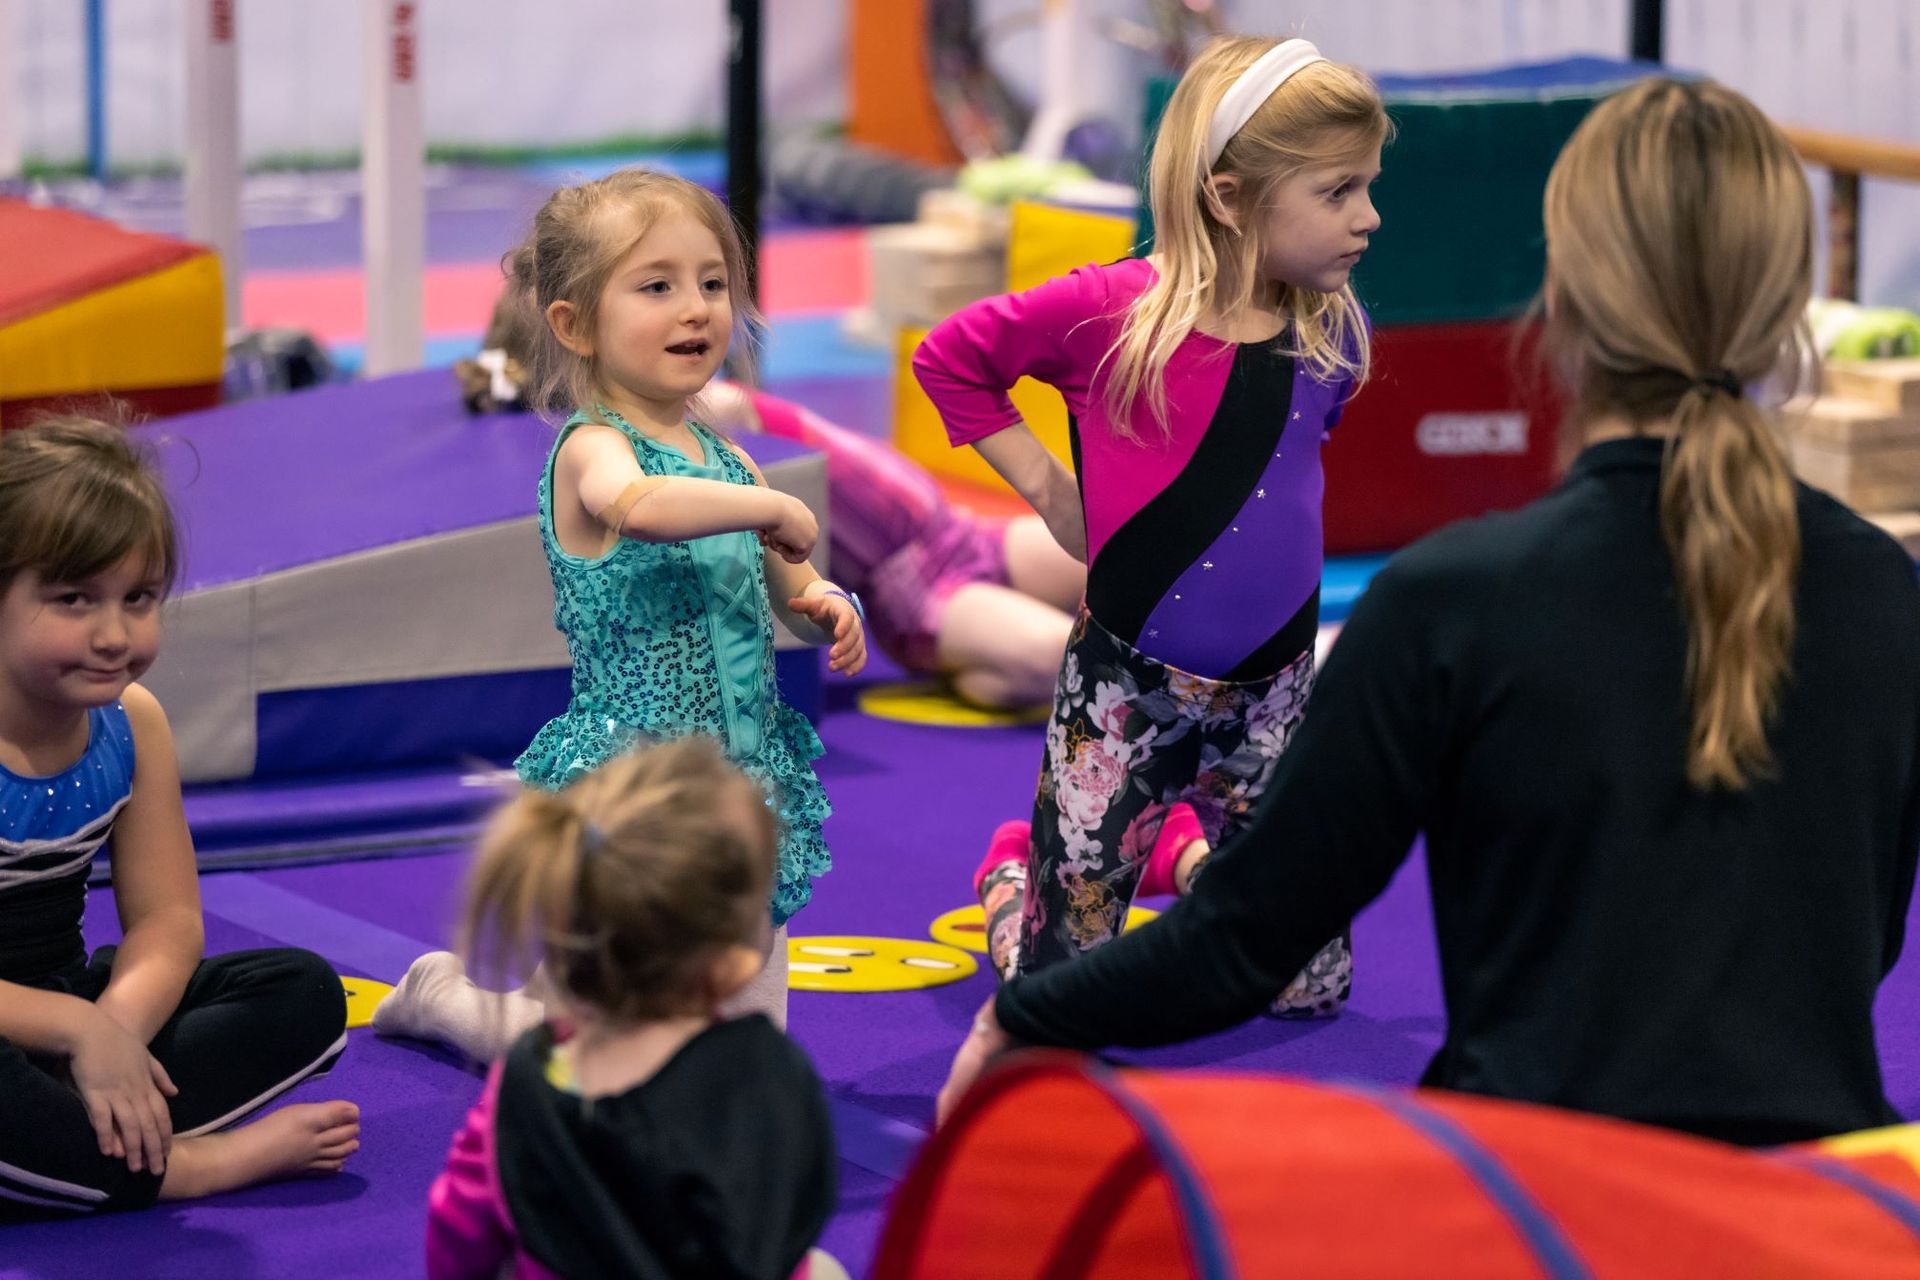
(645, 1138)
(984, 603)
(665, 544)
(1200, 382)
(118, 1073)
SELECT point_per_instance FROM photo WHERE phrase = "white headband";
(1254, 86)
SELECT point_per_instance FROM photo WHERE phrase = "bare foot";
(305, 1138)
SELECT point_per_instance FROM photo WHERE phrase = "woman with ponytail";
(1661, 729)
(1201, 381)
(634, 1133)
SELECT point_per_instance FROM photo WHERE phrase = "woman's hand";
(982, 1043)
(835, 616)
(792, 534)
(125, 1090)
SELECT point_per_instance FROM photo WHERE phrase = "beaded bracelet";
(851, 598)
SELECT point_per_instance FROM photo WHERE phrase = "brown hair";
(514, 331)
(1325, 113)
(76, 497)
(579, 237)
(1680, 260)
(627, 884)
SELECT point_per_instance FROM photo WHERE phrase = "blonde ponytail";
(1680, 259)
(1727, 510)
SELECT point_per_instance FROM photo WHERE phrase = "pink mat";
(812, 270)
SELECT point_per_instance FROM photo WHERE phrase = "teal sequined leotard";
(672, 638)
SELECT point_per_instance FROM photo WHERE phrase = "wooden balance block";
(1860, 440)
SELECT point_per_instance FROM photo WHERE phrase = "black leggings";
(250, 1025)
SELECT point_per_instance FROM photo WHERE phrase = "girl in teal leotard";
(670, 555)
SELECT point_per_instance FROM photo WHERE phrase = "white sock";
(436, 1000)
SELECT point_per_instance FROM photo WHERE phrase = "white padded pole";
(393, 186)
(214, 175)
(11, 124)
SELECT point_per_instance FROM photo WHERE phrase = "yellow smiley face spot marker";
(363, 994)
(966, 927)
(874, 964)
(926, 702)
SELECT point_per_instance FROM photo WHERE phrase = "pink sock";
(1180, 828)
(1010, 842)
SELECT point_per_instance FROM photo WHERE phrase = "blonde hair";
(627, 884)
(77, 496)
(1680, 255)
(1326, 113)
(579, 237)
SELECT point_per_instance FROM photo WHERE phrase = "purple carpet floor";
(914, 806)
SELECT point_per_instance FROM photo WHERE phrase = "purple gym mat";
(265, 485)
(914, 805)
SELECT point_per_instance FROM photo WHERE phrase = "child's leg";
(50, 1160)
(1116, 746)
(1038, 567)
(250, 1026)
(437, 1001)
(1001, 884)
(767, 993)
(1246, 751)
(1002, 647)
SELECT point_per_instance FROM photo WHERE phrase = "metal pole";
(1646, 37)
(743, 130)
(97, 88)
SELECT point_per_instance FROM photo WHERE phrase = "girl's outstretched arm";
(597, 469)
(809, 605)
(156, 887)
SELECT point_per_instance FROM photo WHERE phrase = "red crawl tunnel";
(1056, 1167)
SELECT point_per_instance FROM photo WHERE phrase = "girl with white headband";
(1201, 382)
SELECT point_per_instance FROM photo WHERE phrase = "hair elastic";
(1253, 87)
(592, 839)
(1720, 380)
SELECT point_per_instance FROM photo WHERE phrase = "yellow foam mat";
(166, 329)
(874, 964)
(1902, 1140)
(927, 702)
(1044, 242)
(966, 927)
(363, 996)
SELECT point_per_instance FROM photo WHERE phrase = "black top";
(721, 1164)
(1610, 939)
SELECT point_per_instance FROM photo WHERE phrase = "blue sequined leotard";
(50, 830)
(672, 638)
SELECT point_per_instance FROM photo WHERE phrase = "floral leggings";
(1129, 737)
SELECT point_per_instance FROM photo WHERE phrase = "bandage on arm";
(614, 514)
